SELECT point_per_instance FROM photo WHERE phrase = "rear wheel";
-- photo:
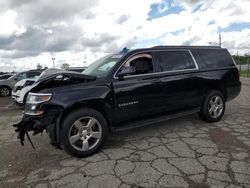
(213, 107)
(4, 91)
(83, 132)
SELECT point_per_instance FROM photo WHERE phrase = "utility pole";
(53, 59)
(220, 39)
(217, 43)
(85, 60)
(248, 59)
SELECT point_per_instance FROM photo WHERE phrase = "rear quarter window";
(174, 60)
(214, 58)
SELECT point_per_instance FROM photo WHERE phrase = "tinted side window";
(175, 60)
(5, 77)
(214, 58)
(142, 63)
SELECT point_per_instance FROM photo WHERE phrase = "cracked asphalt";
(184, 152)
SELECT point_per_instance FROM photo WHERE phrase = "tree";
(65, 66)
(39, 66)
(240, 60)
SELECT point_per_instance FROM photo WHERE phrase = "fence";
(243, 66)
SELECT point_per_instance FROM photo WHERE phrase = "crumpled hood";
(53, 74)
(23, 81)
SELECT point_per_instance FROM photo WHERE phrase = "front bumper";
(17, 100)
(47, 121)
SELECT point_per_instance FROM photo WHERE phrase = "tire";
(56, 145)
(213, 107)
(5, 91)
(84, 132)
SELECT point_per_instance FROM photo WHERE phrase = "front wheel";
(83, 132)
(213, 107)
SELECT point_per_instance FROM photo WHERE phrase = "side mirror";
(15, 79)
(125, 71)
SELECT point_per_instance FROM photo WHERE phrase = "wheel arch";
(100, 106)
(218, 86)
(6, 86)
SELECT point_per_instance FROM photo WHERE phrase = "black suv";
(130, 89)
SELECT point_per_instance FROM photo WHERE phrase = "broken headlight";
(33, 101)
(34, 98)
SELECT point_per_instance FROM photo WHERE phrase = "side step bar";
(147, 122)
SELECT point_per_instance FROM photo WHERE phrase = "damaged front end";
(23, 127)
(42, 110)
(37, 116)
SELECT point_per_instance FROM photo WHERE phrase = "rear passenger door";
(180, 84)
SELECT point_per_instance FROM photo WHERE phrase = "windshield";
(102, 66)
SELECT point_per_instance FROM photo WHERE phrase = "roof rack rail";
(184, 46)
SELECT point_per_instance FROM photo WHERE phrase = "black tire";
(207, 112)
(4, 91)
(69, 126)
(56, 145)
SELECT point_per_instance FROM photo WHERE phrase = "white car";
(6, 85)
(21, 89)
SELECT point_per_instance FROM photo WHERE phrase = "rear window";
(214, 58)
(175, 60)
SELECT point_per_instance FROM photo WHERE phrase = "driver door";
(137, 95)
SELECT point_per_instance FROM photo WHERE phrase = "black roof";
(171, 47)
(197, 47)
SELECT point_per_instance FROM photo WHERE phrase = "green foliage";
(39, 66)
(240, 60)
(65, 66)
(245, 73)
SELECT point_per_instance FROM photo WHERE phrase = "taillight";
(238, 74)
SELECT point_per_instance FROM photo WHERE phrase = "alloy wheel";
(215, 107)
(4, 91)
(85, 133)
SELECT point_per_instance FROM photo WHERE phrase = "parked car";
(7, 85)
(5, 76)
(133, 89)
(22, 88)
